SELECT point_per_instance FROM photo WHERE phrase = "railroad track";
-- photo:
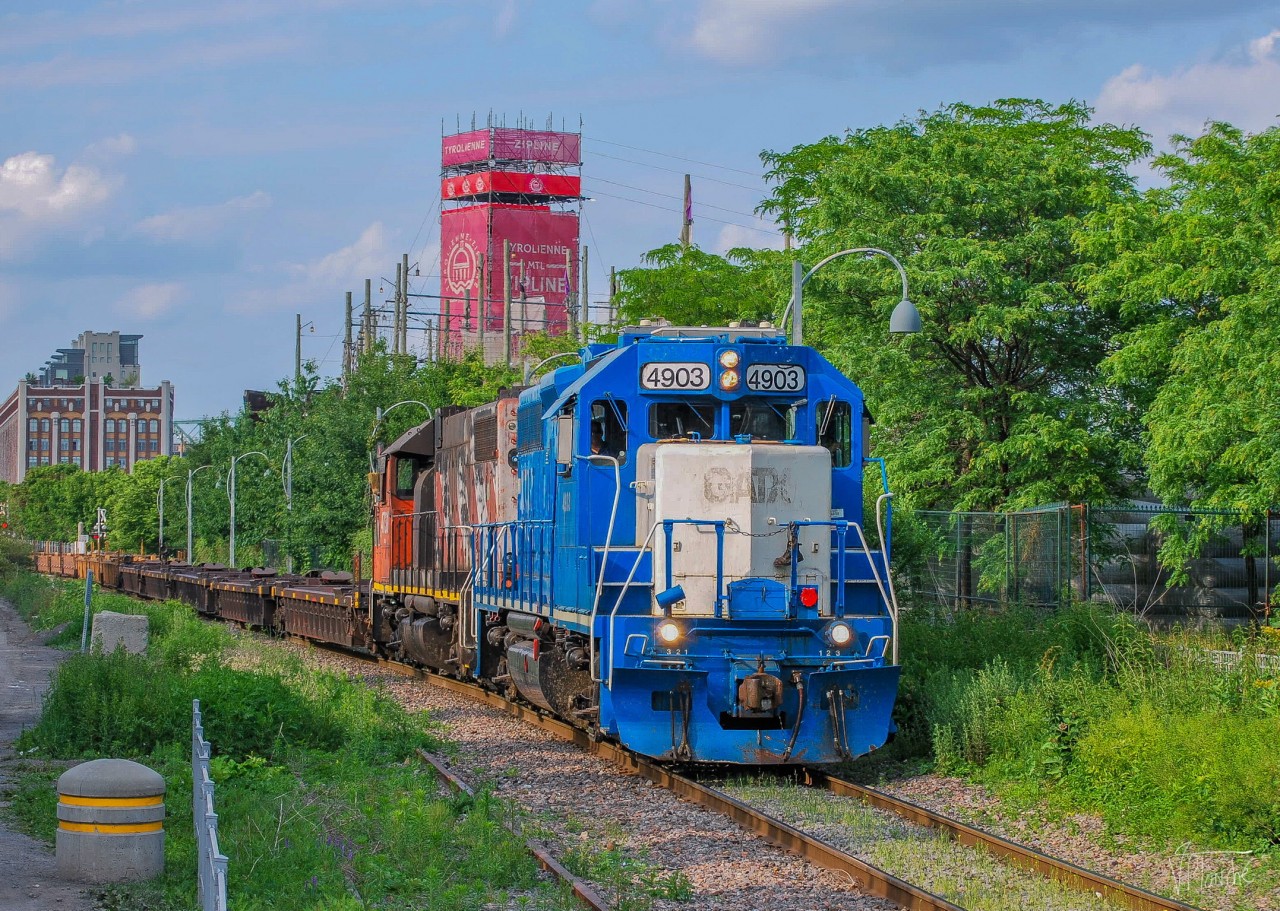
(871, 878)
(1016, 854)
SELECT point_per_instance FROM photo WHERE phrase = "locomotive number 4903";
(675, 376)
(775, 378)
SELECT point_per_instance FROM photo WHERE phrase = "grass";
(321, 802)
(1085, 710)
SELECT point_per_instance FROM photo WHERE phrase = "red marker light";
(808, 596)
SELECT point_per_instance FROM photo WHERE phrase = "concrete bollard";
(111, 630)
(110, 822)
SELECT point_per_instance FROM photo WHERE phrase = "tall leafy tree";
(998, 402)
(690, 287)
(1193, 268)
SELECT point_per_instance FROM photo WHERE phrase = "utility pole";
(447, 328)
(570, 295)
(466, 325)
(484, 314)
(395, 319)
(585, 302)
(347, 350)
(686, 226)
(404, 305)
(524, 309)
(368, 315)
(506, 302)
(613, 289)
(297, 353)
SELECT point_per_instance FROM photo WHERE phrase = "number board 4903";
(666, 376)
(775, 378)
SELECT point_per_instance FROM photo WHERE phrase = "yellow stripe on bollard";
(72, 801)
(107, 828)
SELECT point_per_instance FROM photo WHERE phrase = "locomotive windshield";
(760, 419)
(669, 420)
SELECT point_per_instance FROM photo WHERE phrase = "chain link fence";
(1049, 556)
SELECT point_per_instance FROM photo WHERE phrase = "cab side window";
(609, 428)
(406, 472)
(835, 431)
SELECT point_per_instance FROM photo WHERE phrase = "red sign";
(506, 144)
(463, 186)
(540, 240)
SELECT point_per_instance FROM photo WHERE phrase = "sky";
(199, 172)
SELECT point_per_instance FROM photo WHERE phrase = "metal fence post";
(211, 863)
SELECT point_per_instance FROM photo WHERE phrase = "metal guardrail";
(211, 863)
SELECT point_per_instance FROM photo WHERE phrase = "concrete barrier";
(111, 630)
(110, 822)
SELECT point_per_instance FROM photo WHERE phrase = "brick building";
(51, 419)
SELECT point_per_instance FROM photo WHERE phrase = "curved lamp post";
(382, 413)
(286, 475)
(191, 475)
(231, 493)
(905, 318)
(160, 511)
(530, 371)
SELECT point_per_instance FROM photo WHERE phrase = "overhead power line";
(706, 164)
(721, 221)
(658, 167)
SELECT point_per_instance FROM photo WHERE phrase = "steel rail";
(582, 889)
(869, 877)
(1019, 855)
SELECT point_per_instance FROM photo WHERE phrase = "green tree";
(52, 499)
(691, 288)
(998, 402)
(1193, 268)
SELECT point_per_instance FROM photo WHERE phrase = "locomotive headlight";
(729, 358)
(839, 634)
(729, 380)
(669, 632)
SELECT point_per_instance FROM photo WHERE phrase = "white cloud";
(907, 36)
(112, 147)
(733, 236)
(129, 66)
(36, 197)
(150, 301)
(325, 277)
(195, 223)
(506, 18)
(31, 186)
(366, 257)
(1242, 88)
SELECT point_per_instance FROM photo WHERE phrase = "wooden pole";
(506, 302)
(484, 313)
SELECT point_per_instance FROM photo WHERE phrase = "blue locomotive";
(663, 543)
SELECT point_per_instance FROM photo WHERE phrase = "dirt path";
(28, 881)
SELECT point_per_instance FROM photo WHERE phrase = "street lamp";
(160, 510)
(231, 493)
(382, 413)
(530, 371)
(190, 545)
(286, 474)
(905, 317)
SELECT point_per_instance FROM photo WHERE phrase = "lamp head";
(905, 318)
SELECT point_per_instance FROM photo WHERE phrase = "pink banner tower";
(518, 186)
